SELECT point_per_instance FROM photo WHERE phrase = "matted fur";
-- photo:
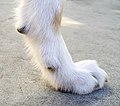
(40, 21)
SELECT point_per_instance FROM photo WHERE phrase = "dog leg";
(49, 51)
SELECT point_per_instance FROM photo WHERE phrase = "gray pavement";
(91, 29)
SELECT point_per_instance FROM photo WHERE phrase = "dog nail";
(51, 69)
(106, 80)
(21, 30)
(96, 86)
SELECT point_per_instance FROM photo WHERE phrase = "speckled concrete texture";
(91, 29)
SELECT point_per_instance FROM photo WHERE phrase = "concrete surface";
(91, 29)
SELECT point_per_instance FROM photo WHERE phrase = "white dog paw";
(91, 66)
(80, 83)
(87, 85)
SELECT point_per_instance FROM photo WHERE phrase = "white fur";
(47, 48)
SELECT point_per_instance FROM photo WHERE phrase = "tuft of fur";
(40, 21)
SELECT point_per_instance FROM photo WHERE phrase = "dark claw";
(22, 30)
(64, 91)
(106, 80)
(97, 86)
(51, 69)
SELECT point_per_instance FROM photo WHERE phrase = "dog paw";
(91, 66)
(80, 83)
